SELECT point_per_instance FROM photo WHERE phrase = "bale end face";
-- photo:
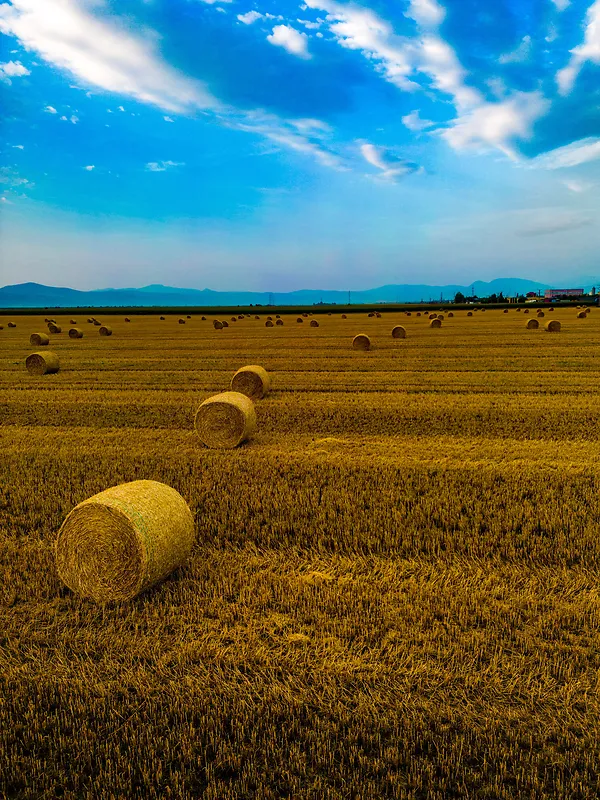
(299, 319)
(75, 333)
(532, 324)
(361, 342)
(225, 420)
(39, 339)
(435, 323)
(398, 332)
(105, 330)
(268, 324)
(124, 540)
(553, 326)
(42, 363)
(314, 323)
(252, 381)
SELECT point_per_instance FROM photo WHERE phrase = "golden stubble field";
(395, 586)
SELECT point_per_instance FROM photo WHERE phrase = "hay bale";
(305, 316)
(361, 342)
(127, 319)
(550, 309)
(398, 332)
(188, 316)
(269, 323)
(90, 321)
(378, 315)
(105, 330)
(526, 311)
(450, 314)
(256, 316)
(541, 314)
(344, 316)
(553, 326)
(408, 313)
(39, 339)
(52, 328)
(203, 319)
(269, 318)
(532, 324)
(278, 322)
(162, 318)
(469, 313)
(314, 323)
(42, 363)
(440, 316)
(517, 309)
(217, 325)
(370, 314)
(1, 327)
(225, 420)
(252, 381)
(97, 324)
(224, 323)
(124, 540)
(433, 316)
(181, 321)
(234, 319)
(277, 316)
(435, 323)
(240, 316)
(299, 319)
(11, 325)
(580, 315)
(75, 333)
(506, 311)
(73, 322)
(418, 313)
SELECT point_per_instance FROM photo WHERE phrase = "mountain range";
(35, 295)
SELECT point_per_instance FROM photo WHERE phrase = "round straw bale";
(398, 332)
(127, 319)
(370, 314)
(181, 322)
(440, 316)
(526, 311)
(314, 323)
(551, 309)
(518, 309)
(97, 324)
(329, 313)
(234, 319)
(433, 316)
(46, 319)
(188, 316)
(435, 323)
(269, 317)
(75, 333)
(541, 314)
(506, 311)
(73, 322)
(124, 540)
(299, 319)
(418, 313)
(279, 321)
(105, 330)
(90, 320)
(224, 323)
(39, 339)
(1, 327)
(162, 318)
(54, 328)
(277, 316)
(240, 316)
(225, 420)
(361, 342)
(217, 325)
(203, 319)
(450, 314)
(344, 316)
(532, 324)
(553, 326)
(256, 316)
(580, 315)
(42, 363)
(305, 315)
(408, 313)
(253, 381)
(482, 309)
(12, 325)
(469, 313)
(269, 323)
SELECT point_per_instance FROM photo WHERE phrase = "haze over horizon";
(266, 146)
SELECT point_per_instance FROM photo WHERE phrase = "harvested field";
(394, 586)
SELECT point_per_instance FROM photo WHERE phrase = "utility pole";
(348, 296)
(271, 298)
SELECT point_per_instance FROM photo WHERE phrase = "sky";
(275, 146)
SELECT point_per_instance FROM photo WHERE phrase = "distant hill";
(35, 295)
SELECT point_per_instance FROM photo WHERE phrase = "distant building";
(557, 294)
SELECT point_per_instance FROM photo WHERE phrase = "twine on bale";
(42, 363)
(105, 331)
(532, 324)
(225, 420)
(553, 326)
(124, 540)
(39, 339)
(398, 332)
(252, 381)
(435, 323)
(314, 323)
(361, 342)
(75, 333)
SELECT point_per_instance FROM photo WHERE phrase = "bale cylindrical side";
(217, 325)
(234, 319)
(398, 332)
(256, 316)
(90, 321)
(54, 328)
(124, 540)
(225, 420)
(526, 311)
(75, 333)
(505, 311)
(361, 342)
(580, 315)
(433, 316)
(224, 323)
(305, 315)
(203, 319)
(553, 326)
(314, 323)
(532, 324)
(253, 381)
(39, 339)
(408, 313)
(435, 323)
(42, 363)
(418, 313)
(73, 322)
(269, 323)
(105, 330)
(277, 316)
(240, 316)
(97, 323)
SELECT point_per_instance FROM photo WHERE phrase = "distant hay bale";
(39, 339)
(517, 309)
(105, 330)
(305, 315)
(532, 324)
(224, 323)
(256, 317)
(269, 323)
(97, 324)
(299, 319)
(505, 311)
(277, 316)
(252, 381)
(188, 316)
(234, 319)
(418, 313)
(398, 332)
(541, 314)
(450, 314)
(217, 325)
(469, 313)
(435, 323)
(127, 319)
(361, 342)
(314, 323)
(225, 420)
(408, 313)
(526, 311)
(75, 333)
(12, 325)
(441, 316)
(1, 327)
(73, 322)
(122, 541)
(278, 322)
(344, 316)
(52, 328)
(90, 321)
(370, 314)
(550, 309)
(203, 319)
(553, 326)
(47, 320)
(433, 316)
(42, 363)
(162, 318)
(329, 313)
(269, 318)
(580, 315)
(378, 315)
(240, 316)
(181, 321)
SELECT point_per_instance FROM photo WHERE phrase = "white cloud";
(561, 4)
(392, 168)
(101, 52)
(120, 108)
(553, 221)
(249, 17)
(13, 69)
(161, 166)
(571, 155)
(19, 146)
(426, 12)
(290, 39)
(168, 119)
(90, 167)
(589, 50)
(74, 119)
(310, 25)
(50, 110)
(578, 186)
(414, 122)
(519, 54)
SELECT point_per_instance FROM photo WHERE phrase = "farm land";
(395, 586)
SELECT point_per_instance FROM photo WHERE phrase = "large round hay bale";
(450, 314)
(253, 381)
(553, 326)
(526, 311)
(435, 323)
(361, 342)
(299, 319)
(398, 332)
(278, 322)
(532, 324)
(124, 540)
(269, 323)
(162, 318)
(105, 330)
(42, 363)
(189, 316)
(469, 313)
(90, 321)
(217, 325)
(225, 420)
(344, 316)
(314, 323)
(256, 316)
(39, 339)
(53, 328)
(73, 322)
(418, 313)
(224, 323)
(127, 319)
(181, 321)
(75, 333)
(433, 316)
(540, 314)
(580, 315)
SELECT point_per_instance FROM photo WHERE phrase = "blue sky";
(284, 145)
